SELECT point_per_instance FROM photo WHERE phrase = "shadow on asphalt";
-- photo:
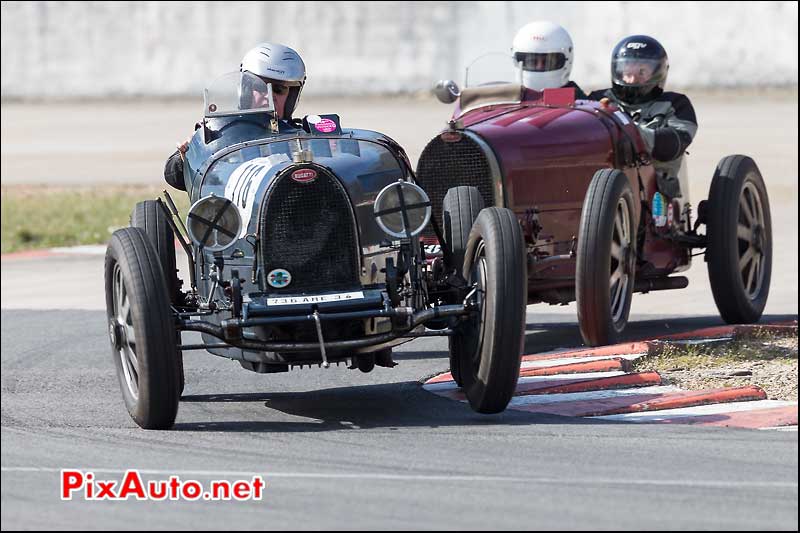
(385, 406)
(406, 404)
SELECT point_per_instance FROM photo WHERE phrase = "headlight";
(214, 223)
(402, 209)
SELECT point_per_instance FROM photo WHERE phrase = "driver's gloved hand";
(173, 171)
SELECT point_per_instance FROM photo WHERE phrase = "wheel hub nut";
(627, 259)
(115, 335)
(757, 238)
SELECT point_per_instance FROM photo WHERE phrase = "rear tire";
(142, 329)
(606, 258)
(488, 344)
(739, 232)
(149, 216)
(460, 208)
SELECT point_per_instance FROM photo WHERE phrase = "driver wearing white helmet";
(544, 51)
(277, 65)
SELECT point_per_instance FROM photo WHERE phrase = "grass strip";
(35, 217)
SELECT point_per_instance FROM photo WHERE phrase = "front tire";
(606, 258)
(149, 217)
(739, 232)
(141, 329)
(460, 208)
(488, 344)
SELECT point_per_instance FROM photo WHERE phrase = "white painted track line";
(451, 385)
(546, 363)
(415, 478)
(537, 399)
(700, 410)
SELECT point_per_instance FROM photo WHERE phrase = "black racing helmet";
(639, 67)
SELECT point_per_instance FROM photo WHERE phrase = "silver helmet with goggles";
(280, 66)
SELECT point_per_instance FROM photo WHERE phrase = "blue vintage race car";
(304, 249)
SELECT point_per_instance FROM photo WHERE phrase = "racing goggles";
(540, 62)
(278, 87)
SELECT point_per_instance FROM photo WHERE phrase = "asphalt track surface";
(341, 449)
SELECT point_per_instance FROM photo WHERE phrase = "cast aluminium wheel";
(621, 271)
(141, 329)
(488, 345)
(122, 334)
(606, 257)
(460, 208)
(739, 233)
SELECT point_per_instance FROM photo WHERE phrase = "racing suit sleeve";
(173, 171)
(668, 138)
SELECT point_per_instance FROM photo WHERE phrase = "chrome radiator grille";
(308, 229)
(444, 165)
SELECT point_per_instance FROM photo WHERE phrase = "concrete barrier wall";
(75, 49)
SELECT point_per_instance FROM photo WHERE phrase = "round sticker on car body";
(325, 125)
(279, 278)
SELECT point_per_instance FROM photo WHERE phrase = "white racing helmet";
(543, 50)
(276, 62)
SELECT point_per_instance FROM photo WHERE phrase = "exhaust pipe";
(660, 284)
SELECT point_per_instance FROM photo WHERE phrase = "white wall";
(173, 48)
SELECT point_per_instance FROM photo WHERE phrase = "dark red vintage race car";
(597, 229)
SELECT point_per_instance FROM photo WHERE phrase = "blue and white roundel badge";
(279, 278)
(659, 210)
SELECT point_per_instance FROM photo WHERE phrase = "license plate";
(316, 299)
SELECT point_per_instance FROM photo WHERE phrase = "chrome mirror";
(446, 91)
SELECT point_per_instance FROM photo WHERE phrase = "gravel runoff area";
(764, 359)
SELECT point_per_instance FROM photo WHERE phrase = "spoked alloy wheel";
(141, 329)
(606, 258)
(621, 271)
(750, 236)
(123, 336)
(739, 233)
(466, 357)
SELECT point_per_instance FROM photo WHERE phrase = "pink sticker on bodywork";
(325, 125)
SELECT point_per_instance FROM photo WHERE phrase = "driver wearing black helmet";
(666, 120)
